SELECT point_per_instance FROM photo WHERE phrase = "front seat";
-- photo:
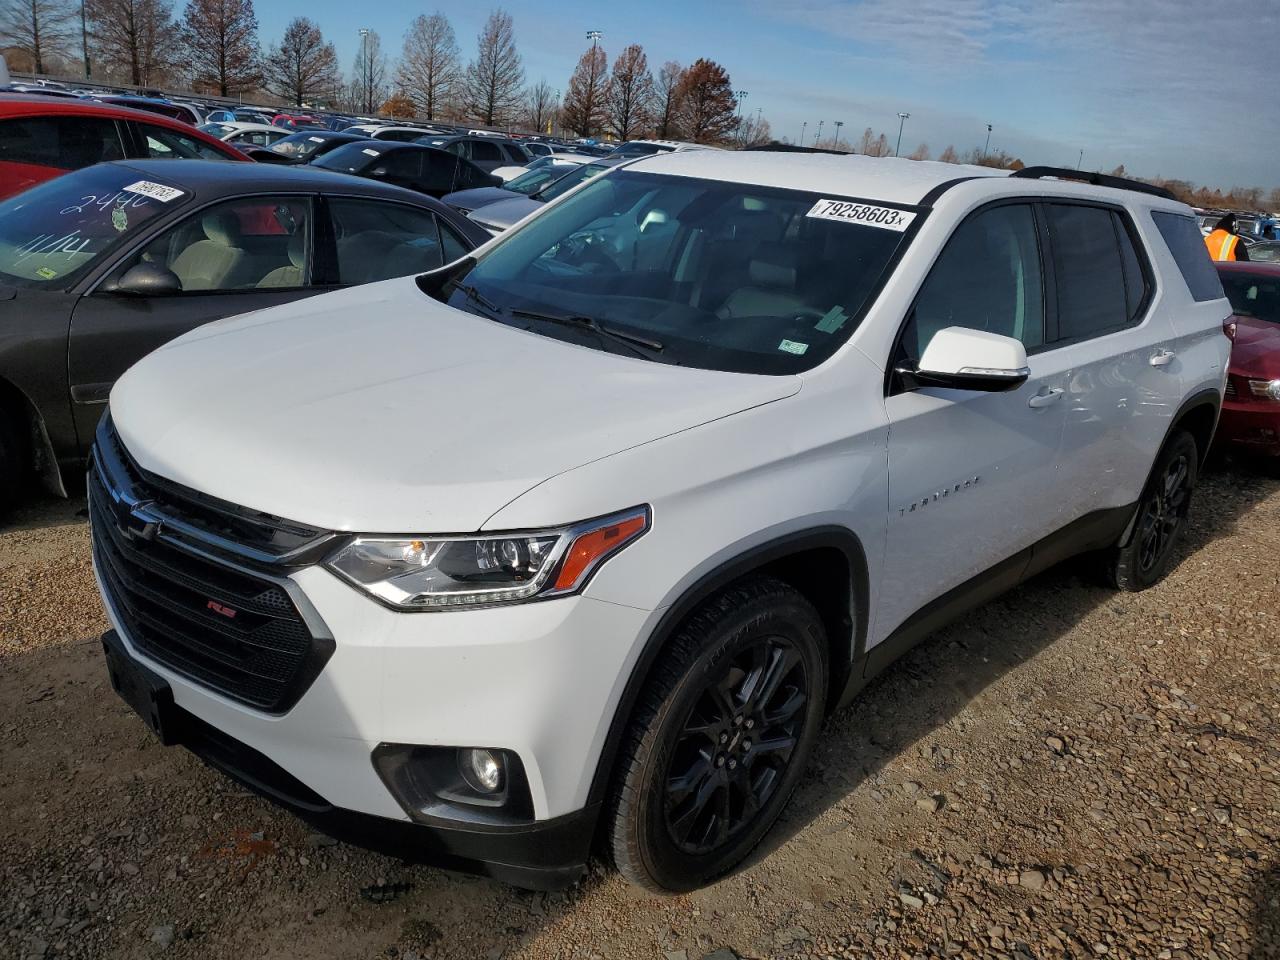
(218, 262)
(772, 290)
(290, 275)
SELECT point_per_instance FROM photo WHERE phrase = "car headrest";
(774, 265)
(222, 227)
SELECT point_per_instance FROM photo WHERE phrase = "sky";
(1183, 89)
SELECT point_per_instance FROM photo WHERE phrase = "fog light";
(481, 769)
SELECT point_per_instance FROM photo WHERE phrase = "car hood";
(380, 410)
(507, 213)
(478, 197)
(1256, 351)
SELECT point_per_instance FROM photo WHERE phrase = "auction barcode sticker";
(886, 218)
(156, 191)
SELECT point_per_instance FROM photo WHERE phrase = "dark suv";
(425, 169)
(487, 153)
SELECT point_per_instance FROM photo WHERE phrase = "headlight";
(434, 573)
(1266, 389)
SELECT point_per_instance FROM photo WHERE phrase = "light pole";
(1080, 160)
(84, 40)
(740, 95)
(837, 124)
(595, 36)
(367, 73)
(902, 119)
(818, 139)
(803, 127)
(987, 146)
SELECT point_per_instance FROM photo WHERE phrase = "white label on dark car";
(316, 139)
(864, 214)
(793, 346)
(157, 191)
(372, 153)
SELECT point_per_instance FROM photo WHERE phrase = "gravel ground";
(1068, 772)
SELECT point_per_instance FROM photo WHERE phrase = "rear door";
(1112, 329)
(231, 257)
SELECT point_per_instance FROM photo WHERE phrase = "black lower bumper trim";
(544, 855)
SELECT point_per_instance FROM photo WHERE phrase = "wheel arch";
(25, 415)
(828, 565)
(1198, 415)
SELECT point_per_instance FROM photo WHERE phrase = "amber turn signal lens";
(590, 548)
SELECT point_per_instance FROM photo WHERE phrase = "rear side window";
(1188, 249)
(67, 143)
(485, 152)
(1090, 272)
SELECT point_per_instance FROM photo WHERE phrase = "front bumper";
(1250, 425)
(545, 855)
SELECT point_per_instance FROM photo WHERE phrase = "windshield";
(558, 188)
(51, 234)
(535, 180)
(216, 129)
(1253, 295)
(716, 275)
(352, 158)
(299, 145)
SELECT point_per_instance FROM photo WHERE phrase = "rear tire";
(1161, 518)
(720, 737)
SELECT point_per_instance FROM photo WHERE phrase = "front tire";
(720, 737)
(1161, 519)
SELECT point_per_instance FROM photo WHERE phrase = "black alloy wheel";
(719, 737)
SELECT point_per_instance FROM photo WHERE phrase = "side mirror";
(147, 280)
(963, 359)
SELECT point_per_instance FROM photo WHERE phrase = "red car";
(1251, 410)
(45, 137)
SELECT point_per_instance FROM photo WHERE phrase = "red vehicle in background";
(1251, 409)
(45, 137)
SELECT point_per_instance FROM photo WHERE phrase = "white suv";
(580, 539)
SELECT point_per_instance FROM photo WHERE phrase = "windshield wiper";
(475, 296)
(641, 346)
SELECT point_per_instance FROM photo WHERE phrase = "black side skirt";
(1094, 531)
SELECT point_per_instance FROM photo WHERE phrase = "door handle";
(1044, 399)
(1162, 358)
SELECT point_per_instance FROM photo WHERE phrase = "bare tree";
(430, 67)
(541, 105)
(136, 38)
(667, 98)
(752, 130)
(221, 44)
(707, 102)
(369, 73)
(920, 153)
(585, 106)
(302, 65)
(872, 145)
(495, 77)
(37, 28)
(631, 92)
(949, 155)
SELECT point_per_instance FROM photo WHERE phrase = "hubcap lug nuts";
(724, 738)
(737, 721)
(720, 761)
(733, 764)
(746, 745)
(750, 724)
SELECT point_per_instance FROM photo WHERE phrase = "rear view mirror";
(963, 359)
(147, 280)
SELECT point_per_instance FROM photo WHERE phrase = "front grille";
(222, 624)
(1230, 391)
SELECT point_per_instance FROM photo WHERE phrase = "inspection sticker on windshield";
(157, 191)
(316, 139)
(886, 218)
(371, 153)
(793, 346)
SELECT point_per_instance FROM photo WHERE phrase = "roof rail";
(1097, 179)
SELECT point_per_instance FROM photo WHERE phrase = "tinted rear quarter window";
(1090, 273)
(1186, 244)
